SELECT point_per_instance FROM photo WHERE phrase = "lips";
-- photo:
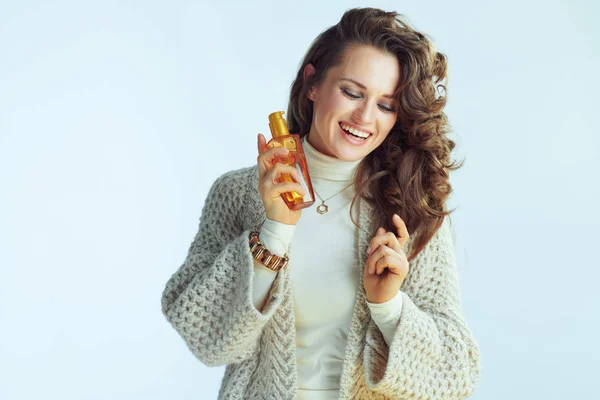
(353, 139)
(355, 127)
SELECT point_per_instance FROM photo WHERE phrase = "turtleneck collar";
(326, 167)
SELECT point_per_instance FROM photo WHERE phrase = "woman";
(359, 311)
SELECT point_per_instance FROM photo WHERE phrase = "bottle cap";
(277, 124)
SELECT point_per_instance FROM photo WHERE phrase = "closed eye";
(354, 97)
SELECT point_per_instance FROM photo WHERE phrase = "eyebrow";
(360, 85)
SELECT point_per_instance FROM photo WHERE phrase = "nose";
(363, 113)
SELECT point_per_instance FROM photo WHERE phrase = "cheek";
(335, 106)
(387, 126)
(391, 123)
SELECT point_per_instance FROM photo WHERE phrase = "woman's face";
(358, 93)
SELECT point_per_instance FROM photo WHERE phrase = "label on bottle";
(290, 144)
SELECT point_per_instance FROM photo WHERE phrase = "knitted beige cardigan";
(208, 301)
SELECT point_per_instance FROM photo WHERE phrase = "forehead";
(377, 70)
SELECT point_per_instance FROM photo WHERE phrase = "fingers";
(402, 230)
(274, 174)
(382, 258)
(384, 239)
(267, 157)
(261, 142)
(285, 187)
(396, 242)
(273, 184)
(373, 258)
(391, 262)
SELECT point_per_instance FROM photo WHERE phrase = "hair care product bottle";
(295, 158)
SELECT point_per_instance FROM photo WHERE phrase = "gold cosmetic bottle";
(295, 158)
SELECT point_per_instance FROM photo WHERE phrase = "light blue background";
(116, 117)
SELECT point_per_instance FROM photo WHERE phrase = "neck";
(326, 167)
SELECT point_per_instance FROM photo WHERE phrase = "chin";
(350, 154)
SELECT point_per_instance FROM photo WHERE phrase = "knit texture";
(208, 301)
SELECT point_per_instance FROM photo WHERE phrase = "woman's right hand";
(269, 171)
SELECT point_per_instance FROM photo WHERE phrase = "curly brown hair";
(408, 174)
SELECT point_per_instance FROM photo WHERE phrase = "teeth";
(363, 135)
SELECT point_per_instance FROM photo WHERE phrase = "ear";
(309, 70)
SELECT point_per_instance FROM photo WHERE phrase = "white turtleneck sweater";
(323, 296)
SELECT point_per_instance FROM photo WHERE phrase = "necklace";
(322, 209)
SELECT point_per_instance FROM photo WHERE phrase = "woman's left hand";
(386, 266)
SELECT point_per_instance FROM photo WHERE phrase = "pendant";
(322, 209)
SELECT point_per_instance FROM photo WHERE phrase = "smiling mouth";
(352, 134)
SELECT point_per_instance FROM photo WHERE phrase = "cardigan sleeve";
(433, 354)
(208, 300)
